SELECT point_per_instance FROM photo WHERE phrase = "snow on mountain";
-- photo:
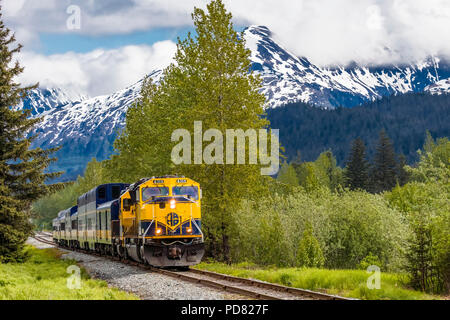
(440, 87)
(86, 127)
(288, 78)
(43, 99)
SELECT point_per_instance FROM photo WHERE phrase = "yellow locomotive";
(155, 220)
(161, 222)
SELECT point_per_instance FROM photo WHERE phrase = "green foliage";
(287, 175)
(346, 283)
(357, 170)
(22, 170)
(47, 208)
(424, 204)
(384, 171)
(44, 210)
(309, 253)
(434, 165)
(368, 261)
(403, 176)
(44, 277)
(347, 225)
(322, 173)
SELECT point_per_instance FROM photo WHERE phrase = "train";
(156, 221)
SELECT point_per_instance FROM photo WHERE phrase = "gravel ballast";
(145, 284)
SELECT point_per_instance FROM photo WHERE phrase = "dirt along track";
(233, 287)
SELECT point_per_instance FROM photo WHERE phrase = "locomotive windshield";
(148, 193)
(192, 192)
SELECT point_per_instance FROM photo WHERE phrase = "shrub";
(346, 226)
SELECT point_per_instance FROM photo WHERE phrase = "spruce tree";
(357, 169)
(22, 176)
(384, 171)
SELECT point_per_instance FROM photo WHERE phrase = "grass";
(44, 277)
(346, 283)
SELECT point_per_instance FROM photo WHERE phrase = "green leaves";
(309, 252)
(426, 208)
(297, 229)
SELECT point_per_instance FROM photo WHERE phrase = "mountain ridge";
(86, 127)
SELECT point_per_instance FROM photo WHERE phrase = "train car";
(55, 225)
(88, 219)
(107, 213)
(160, 222)
(60, 227)
(72, 226)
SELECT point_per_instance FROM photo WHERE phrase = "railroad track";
(246, 287)
(41, 238)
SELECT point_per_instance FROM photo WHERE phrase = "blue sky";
(58, 43)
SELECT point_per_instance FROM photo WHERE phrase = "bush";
(309, 253)
(426, 208)
(347, 227)
(368, 261)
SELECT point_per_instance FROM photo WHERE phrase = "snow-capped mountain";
(86, 127)
(41, 100)
(288, 78)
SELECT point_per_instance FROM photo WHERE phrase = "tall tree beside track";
(210, 82)
(22, 176)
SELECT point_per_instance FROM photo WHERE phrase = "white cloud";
(98, 72)
(325, 31)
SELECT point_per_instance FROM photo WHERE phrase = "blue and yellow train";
(156, 221)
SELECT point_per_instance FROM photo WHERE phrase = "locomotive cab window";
(190, 192)
(148, 193)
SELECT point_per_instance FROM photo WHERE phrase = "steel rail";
(270, 286)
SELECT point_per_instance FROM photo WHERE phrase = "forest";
(310, 130)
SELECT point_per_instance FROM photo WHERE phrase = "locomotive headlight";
(173, 204)
(158, 231)
(189, 230)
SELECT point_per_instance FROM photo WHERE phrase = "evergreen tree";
(287, 175)
(210, 82)
(357, 170)
(384, 171)
(22, 177)
(419, 252)
(402, 174)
